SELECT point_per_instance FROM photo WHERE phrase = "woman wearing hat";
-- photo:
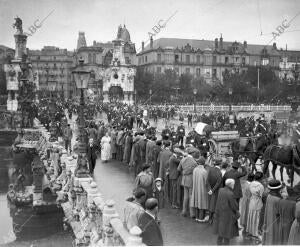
(271, 218)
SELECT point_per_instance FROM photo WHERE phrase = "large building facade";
(206, 58)
(53, 64)
(112, 66)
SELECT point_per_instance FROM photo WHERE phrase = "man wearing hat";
(145, 180)
(151, 234)
(186, 167)
(214, 183)
(271, 228)
(235, 174)
(134, 209)
(180, 133)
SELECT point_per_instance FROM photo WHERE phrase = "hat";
(217, 161)
(274, 184)
(158, 179)
(151, 203)
(139, 192)
(236, 165)
(201, 161)
(145, 166)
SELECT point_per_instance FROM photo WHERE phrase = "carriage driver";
(259, 127)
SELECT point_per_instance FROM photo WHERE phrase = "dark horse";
(251, 147)
(284, 156)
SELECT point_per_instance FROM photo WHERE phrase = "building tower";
(118, 82)
(81, 42)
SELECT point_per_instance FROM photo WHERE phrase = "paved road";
(115, 181)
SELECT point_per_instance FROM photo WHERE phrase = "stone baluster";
(135, 237)
(109, 212)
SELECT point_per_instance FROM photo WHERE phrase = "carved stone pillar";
(20, 44)
(135, 237)
(109, 212)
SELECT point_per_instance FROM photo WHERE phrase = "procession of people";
(173, 173)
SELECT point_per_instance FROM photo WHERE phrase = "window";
(176, 58)
(159, 58)
(237, 59)
(198, 71)
(207, 72)
(54, 58)
(127, 61)
(214, 72)
(54, 65)
(158, 69)
(214, 59)
(198, 59)
(187, 58)
(38, 58)
(89, 58)
(177, 70)
(94, 58)
(265, 61)
(243, 60)
(146, 59)
(226, 60)
(187, 70)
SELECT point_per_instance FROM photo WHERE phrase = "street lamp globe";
(230, 91)
(195, 91)
(81, 76)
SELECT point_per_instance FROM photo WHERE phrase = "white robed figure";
(105, 147)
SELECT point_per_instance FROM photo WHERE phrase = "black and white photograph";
(162, 122)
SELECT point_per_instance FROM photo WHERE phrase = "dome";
(125, 34)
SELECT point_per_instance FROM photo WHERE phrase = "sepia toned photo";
(163, 122)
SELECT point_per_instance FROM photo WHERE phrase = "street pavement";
(116, 181)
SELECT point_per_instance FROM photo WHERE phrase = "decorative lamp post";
(81, 77)
(195, 93)
(52, 110)
(150, 92)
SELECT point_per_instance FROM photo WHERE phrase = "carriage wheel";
(213, 148)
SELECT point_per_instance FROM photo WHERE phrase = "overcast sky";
(195, 19)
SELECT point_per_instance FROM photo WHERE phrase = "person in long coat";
(113, 143)
(235, 174)
(128, 147)
(214, 183)
(287, 216)
(294, 236)
(244, 205)
(255, 205)
(271, 234)
(199, 199)
(105, 148)
(149, 149)
(151, 234)
(226, 214)
(155, 163)
(145, 180)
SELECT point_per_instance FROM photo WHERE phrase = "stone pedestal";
(20, 44)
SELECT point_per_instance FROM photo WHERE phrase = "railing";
(94, 221)
(236, 108)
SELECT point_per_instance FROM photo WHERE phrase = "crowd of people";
(170, 173)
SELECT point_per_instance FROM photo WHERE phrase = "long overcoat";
(199, 193)
(226, 214)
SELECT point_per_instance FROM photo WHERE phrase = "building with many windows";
(206, 58)
(289, 65)
(53, 64)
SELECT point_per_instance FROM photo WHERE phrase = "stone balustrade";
(93, 220)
